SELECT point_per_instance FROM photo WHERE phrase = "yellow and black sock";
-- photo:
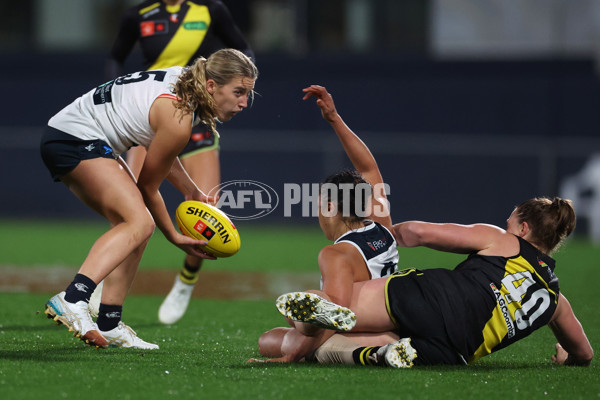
(189, 274)
(362, 355)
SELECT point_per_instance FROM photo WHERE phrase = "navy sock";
(80, 289)
(109, 317)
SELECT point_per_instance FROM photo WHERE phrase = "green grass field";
(204, 355)
(264, 248)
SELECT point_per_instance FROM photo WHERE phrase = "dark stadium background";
(461, 139)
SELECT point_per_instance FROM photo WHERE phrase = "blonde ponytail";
(222, 67)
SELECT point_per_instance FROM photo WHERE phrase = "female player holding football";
(504, 291)
(170, 33)
(357, 221)
(81, 147)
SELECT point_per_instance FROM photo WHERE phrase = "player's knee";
(144, 226)
(269, 343)
(263, 345)
(149, 227)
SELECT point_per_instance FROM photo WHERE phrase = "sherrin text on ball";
(204, 222)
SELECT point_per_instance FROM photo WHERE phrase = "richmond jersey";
(525, 295)
(118, 111)
(485, 304)
(377, 247)
(177, 35)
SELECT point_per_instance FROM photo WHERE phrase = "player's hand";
(199, 195)
(561, 355)
(324, 101)
(283, 359)
(192, 247)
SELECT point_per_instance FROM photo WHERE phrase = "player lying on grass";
(81, 147)
(504, 291)
(357, 221)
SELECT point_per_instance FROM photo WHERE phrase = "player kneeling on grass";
(81, 147)
(501, 293)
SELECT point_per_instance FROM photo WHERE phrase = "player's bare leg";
(107, 188)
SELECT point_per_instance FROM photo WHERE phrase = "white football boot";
(399, 354)
(124, 336)
(95, 298)
(176, 302)
(313, 309)
(76, 317)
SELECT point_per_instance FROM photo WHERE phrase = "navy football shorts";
(62, 152)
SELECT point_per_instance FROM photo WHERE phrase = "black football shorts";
(62, 152)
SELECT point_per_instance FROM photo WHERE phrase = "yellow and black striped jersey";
(176, 35)
(525, 293)
(485, 304)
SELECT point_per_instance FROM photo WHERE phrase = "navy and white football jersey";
(118, 111)
(377, 247)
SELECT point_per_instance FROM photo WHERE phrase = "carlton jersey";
(177, 35)
(118, 111)
(377, 247)
(485, 304)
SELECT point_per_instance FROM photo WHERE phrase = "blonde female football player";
(357, 221)
(175, 44)
(81, 147)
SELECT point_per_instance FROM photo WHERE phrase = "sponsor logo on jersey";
(150, 28)
(504, 310)
(377, 244)
(545, 267)
(200, 136)
(102, 94)
(195, 26)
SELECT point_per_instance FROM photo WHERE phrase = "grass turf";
(204, 355)
(264, 248)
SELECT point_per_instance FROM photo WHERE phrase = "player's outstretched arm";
(357, 151)
(355, 148)
(573, 347)
(453, 238)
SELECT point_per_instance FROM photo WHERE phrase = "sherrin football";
(204, 222)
